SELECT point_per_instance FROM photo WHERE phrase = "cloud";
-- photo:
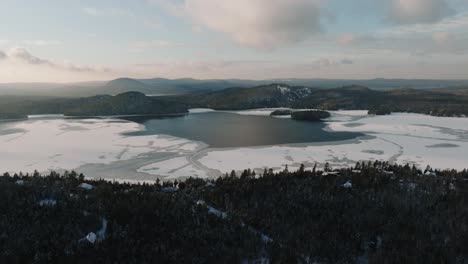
(2, 55)
(441, 37)
(347, 61)
(258, 23)
(244, 69)
(154, 44)
(91, 11)
(418, 11)
(348, 39)
(446, 37)
(24, 56)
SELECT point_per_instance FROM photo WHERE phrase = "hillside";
(115, 87)
(397, 100)
(129, 103)
(434, 102)
(161, 86)
(273, 95)
(123, 85)
(155, 86)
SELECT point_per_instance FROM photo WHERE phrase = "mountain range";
(161, 86)
(131, 100)
(434, 102)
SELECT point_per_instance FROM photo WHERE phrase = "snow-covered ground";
(55, 143)
(99, 148)
(173, 168)
(402, 138)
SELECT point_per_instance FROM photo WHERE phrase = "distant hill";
(460, 90)
(153, 87)
(123, 85)
(190, 85)
(191, 93)
(112, 87)
(162, 86)
(129, 103)
(272, 95)
(353, 97)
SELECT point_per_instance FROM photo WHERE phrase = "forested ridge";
(128, 103)
(438, 102)
(375, 212)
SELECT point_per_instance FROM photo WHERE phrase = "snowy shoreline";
(98, 148)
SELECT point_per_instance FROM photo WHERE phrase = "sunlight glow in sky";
(70, 40)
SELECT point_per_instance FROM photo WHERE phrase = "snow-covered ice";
(46, 143)
(66, 144)
(174, 168)
(402, 138)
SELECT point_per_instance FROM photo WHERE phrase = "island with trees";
(12, 116)
(310, 115)
(281, 112)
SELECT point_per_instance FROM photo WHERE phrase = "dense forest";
(373, 213)
(438, 102)
(311, 115)
(15, 116)
(129, 103)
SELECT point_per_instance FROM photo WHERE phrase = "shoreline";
(371, 145)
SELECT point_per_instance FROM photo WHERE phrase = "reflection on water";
(232, 130)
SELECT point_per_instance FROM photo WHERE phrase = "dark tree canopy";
(375, 212)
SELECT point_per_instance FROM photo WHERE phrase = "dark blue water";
(222, 130)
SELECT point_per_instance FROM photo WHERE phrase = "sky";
(87, 40)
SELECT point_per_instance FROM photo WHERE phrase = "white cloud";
(347, 38)
(2, 55)
(258, 23)
(24, 56)
(418, 11)
(347, 61)
(91, 11)
(441, 37)
(154, 44)
(446, 37)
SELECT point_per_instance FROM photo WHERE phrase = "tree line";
(375, 212)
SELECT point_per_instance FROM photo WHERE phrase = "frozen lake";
(123, 150)
(222, 129)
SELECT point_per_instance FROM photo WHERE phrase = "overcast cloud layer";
(418, 11)
(258, 23)
(99, 40)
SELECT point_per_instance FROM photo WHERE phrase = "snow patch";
(47, 202)
(86, 186)
(91, 238)
(348, 185)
